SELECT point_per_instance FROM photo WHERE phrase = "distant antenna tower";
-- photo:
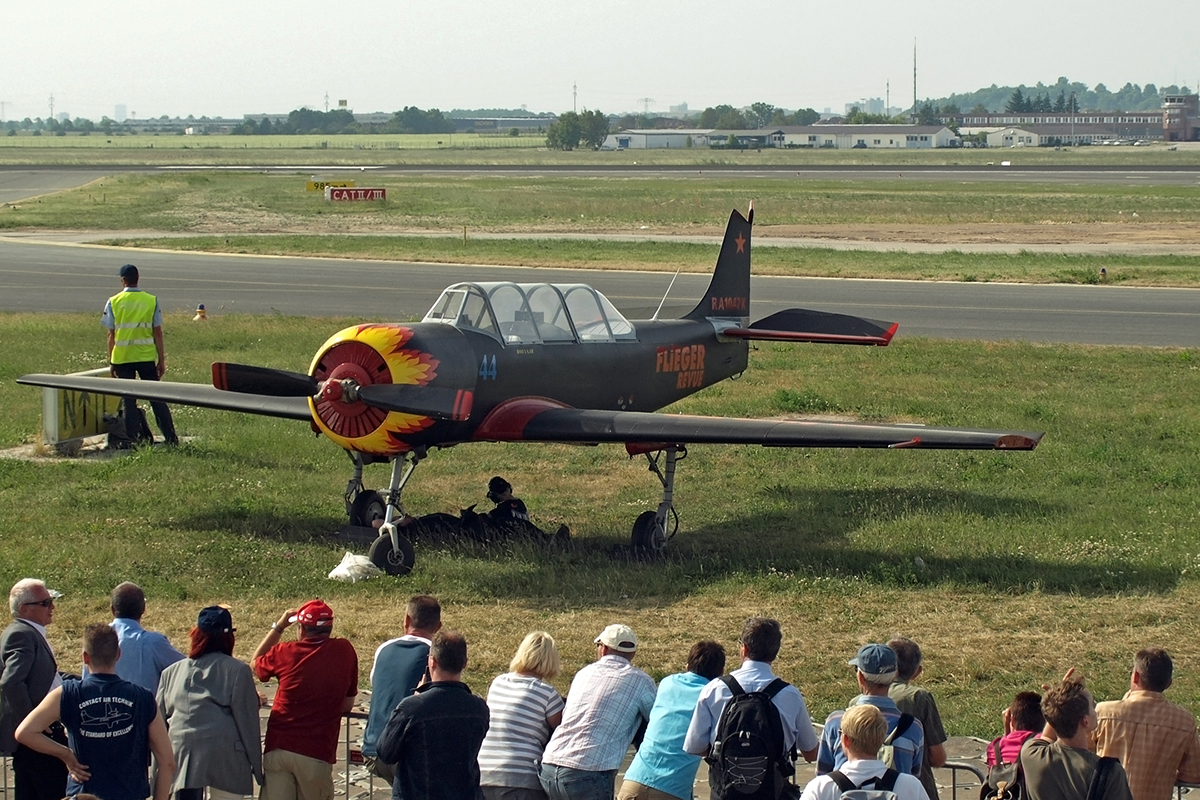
(575, 97)
(646, 101)
(887, 103)
(914, 111)
(51, 106)
(327, 102)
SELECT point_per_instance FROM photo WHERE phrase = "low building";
(1130, 125)
(1052, 136)
(652, 139)
(502, 124)
(867, 137)
(746, 139)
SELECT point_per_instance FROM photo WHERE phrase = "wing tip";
(1019, 441)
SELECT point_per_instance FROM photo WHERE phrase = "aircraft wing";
(536, 420)
(188, 394)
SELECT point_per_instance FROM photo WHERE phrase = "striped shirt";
(1155, 740)
(908, 747)
(512, 749)
(608, 700)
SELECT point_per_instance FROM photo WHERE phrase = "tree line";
(755, 116)
(572, 130)
(54, 127)
(589, 129)
(309, 121)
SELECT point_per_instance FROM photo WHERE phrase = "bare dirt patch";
(214, 222)
(997, 233)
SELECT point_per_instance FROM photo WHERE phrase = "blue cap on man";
(877, 663)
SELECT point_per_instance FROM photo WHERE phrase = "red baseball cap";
(315, 614)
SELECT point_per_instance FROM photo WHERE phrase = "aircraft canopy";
(532, 313)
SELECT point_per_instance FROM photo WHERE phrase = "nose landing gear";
(390, 551)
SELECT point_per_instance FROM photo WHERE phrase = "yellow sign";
(71, 415)
(319, 186)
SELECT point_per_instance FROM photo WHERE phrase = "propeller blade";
(247, 379)
(426, 401)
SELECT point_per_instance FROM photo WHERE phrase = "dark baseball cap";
(215, 619)
(129, 272)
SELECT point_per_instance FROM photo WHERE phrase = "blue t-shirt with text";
(108, 728)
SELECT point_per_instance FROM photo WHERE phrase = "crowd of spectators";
(194, 718)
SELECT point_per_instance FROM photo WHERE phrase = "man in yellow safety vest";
(135, 347)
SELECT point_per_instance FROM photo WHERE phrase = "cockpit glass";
(447, 307)
(532, 313)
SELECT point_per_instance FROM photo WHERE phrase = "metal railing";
(962, 766)
(959, 769)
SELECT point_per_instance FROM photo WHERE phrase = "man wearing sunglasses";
(29, 673)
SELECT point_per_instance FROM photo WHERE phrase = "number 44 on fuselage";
(508, 362)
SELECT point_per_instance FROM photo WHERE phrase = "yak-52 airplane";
(508, 362)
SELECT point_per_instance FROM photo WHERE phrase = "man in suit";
(29, 673)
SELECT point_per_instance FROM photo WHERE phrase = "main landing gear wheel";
(366, 508)
(647, 533)
(392, 561)
(650, 533)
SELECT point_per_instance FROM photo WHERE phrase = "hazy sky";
(231, 57)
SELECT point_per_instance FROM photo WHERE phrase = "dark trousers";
(147, 371)
(37, 776)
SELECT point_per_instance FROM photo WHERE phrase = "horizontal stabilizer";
(803, 325)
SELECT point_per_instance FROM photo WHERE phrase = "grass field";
(1006, 567)
(249, 202)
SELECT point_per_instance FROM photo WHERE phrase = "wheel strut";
(354, 486)
(395, 555)
(650, 529)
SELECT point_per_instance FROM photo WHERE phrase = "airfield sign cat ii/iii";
(507, 362)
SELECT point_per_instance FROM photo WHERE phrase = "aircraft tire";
(643, 537)
(366, 508)
(388, 559)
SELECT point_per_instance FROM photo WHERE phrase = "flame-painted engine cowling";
(421, 354)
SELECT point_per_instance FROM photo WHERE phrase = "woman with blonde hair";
(525, 709)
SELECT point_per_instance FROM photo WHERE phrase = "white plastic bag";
(354, 568)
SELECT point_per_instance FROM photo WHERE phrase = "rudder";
(728, 293)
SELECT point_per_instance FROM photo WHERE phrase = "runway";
(65, 277)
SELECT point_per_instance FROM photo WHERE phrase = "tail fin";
(728, 294)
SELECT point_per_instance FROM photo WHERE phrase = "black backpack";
(122, 435)
(1004, 781)
(748, 760)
